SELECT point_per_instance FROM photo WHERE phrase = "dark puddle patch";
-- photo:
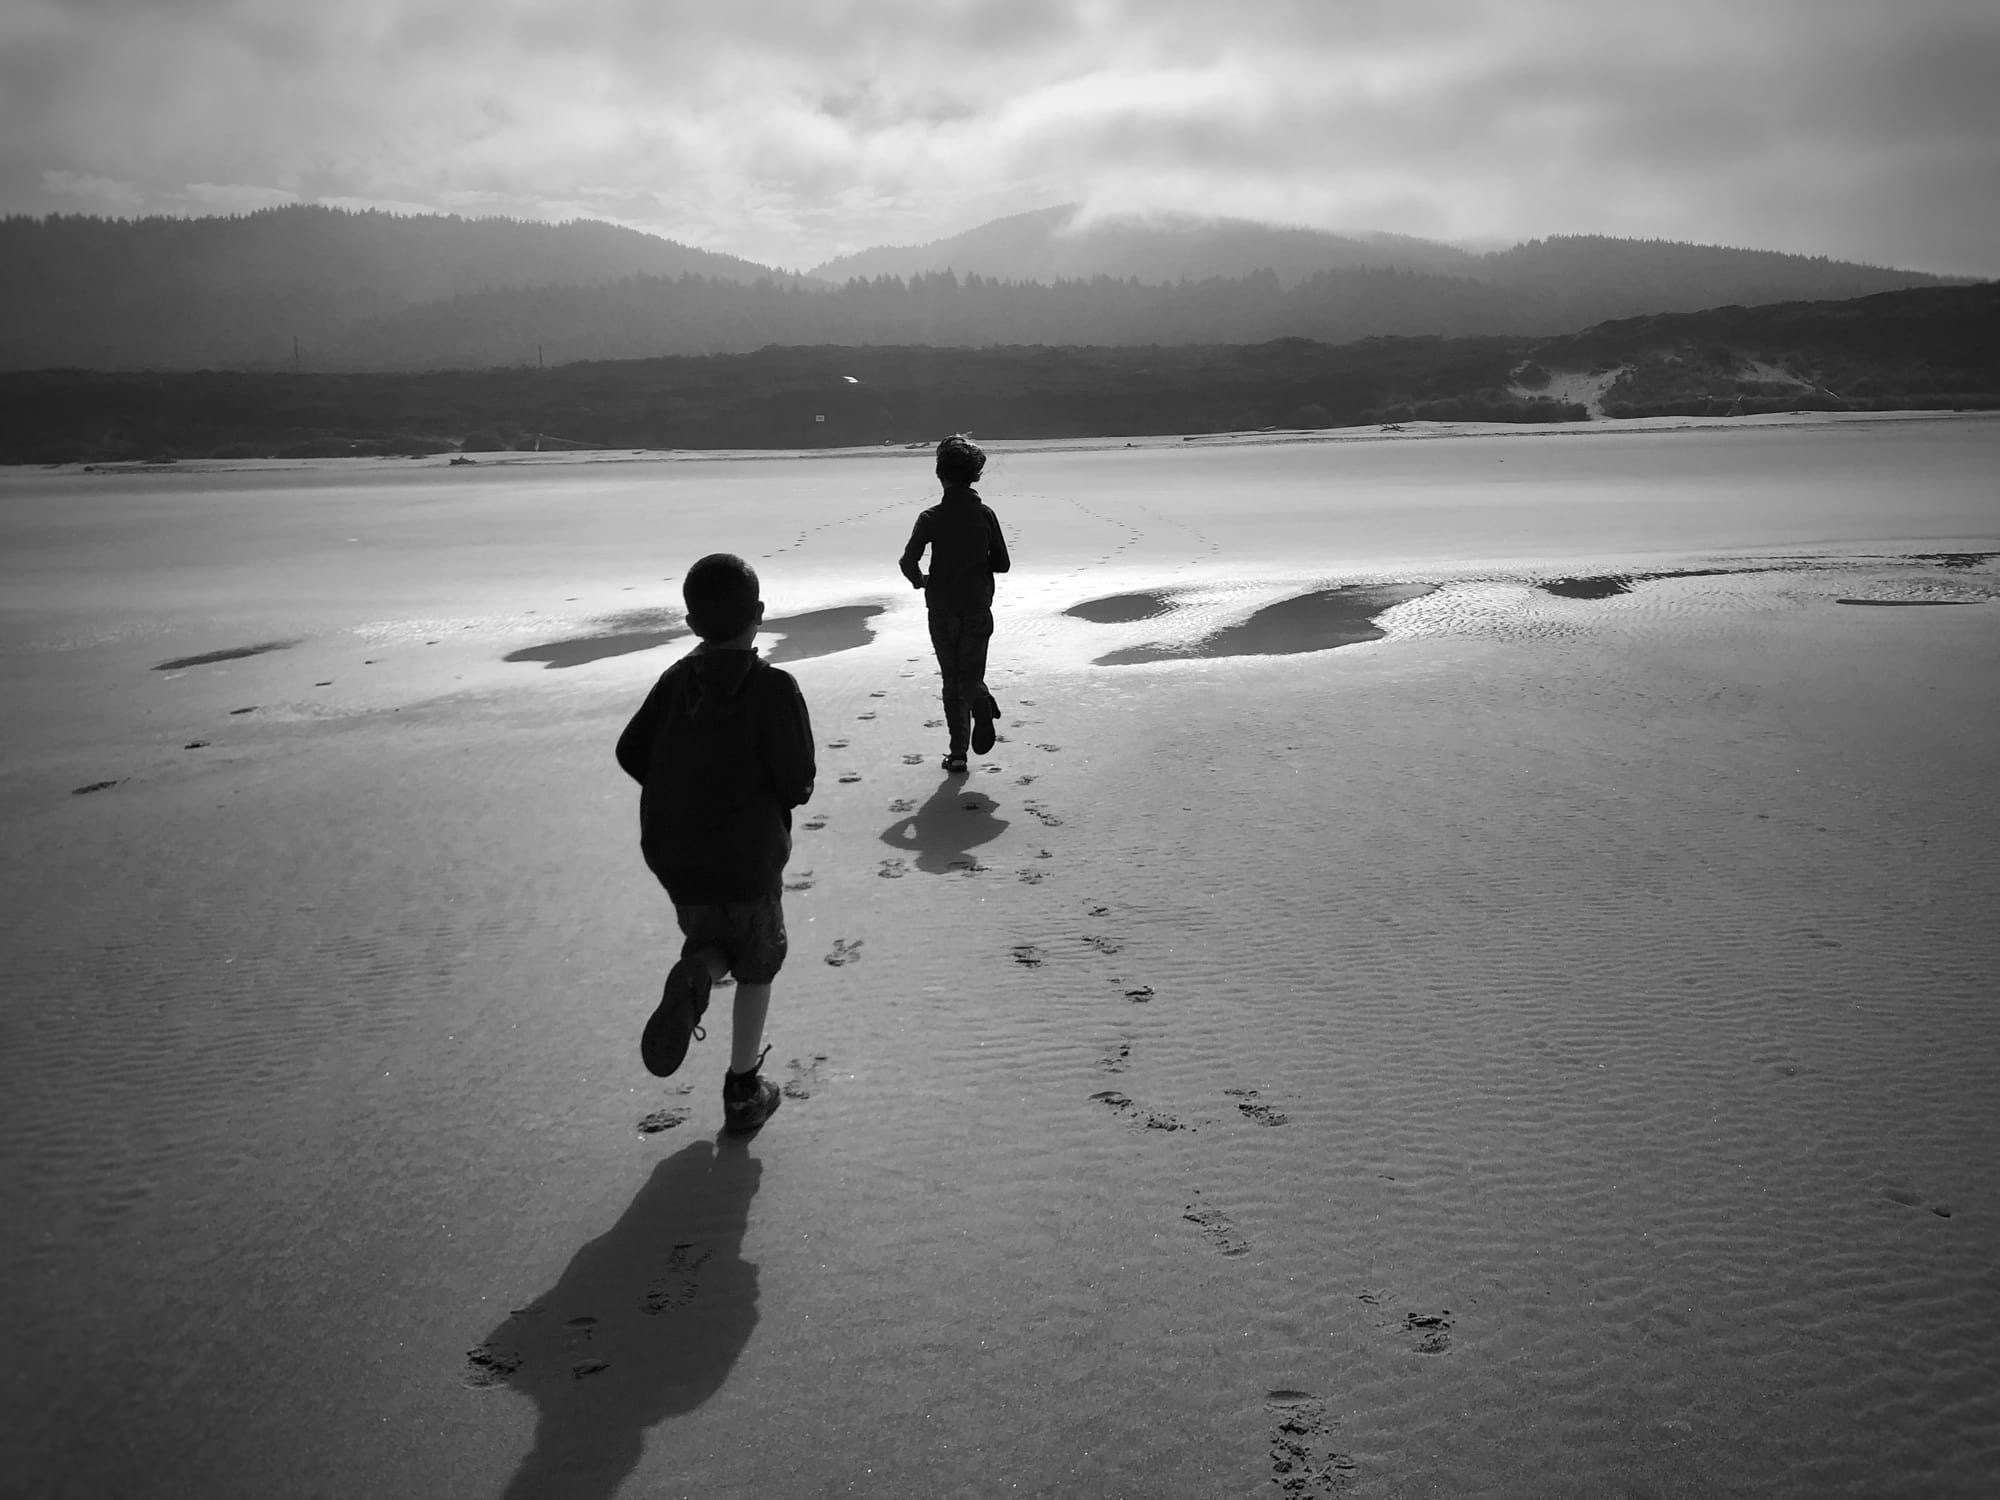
(1319, 621)
(1953, 559)
(233, 653)
(1121, 609)
(1606, 585)
(633, 630)
(1902, 603)
(1588, 588)
(821, 632)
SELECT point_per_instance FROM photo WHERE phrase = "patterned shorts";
(750, 935)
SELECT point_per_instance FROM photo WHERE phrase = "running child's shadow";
(946, 829)
(645, 1324)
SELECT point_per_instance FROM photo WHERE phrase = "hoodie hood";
(715, 680)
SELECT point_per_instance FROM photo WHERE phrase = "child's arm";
(635, 745)
(997, 559)
(919, 539)
(788, 747)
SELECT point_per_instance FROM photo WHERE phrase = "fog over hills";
(335, 290)
(1050, 244)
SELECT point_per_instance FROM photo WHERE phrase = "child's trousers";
(960, 639)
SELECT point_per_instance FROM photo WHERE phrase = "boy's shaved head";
(960, 460)
(721, 596)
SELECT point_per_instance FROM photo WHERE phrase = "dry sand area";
(1540, 1042)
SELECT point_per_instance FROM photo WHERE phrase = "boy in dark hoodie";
(722, 751)
(967, 549)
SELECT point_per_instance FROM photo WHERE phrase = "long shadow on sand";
(947, 828)
(645, 1324)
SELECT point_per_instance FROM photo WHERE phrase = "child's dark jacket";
(722, 751)
(967, 549)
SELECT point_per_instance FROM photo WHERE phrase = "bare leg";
(746, 1039)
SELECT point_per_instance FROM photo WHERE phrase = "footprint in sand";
(1254, 1108)
(1304, 1461)
(195, 745)
(96, 786)
(878, 694)
(934, 723)
(1024, 781)
(235, 711)
(1909, 1199)
(1217, 1228)
(915, 760)
(1119, 1061)
(1042, 814)
(848, 778)
(838, 744)
(489, 1364)
(1031, 877)
(815, 823)
(1028, 956)
(805, 1077)
(903, 805)
(1138, 1114)
(800, 882)
(1139, 994)
(844, 952)
(1102, 944)
(662, 1119)
(1432, 1330)
(679, 1279)
(869, 715)
(892, 869)
(1098, 911)
(1050, 748)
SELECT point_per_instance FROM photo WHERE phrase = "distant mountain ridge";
(332, 290)
(1048, 245)
(237, 289)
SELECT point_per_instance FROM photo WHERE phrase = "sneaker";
(955, 764)
(754, 1108)
(983, 715)
(677, 1018)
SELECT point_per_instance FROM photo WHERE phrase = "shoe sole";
(982, 726)
(683, 1000)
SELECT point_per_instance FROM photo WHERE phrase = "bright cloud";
(792, 130)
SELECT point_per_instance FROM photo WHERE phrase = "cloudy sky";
(789, 131)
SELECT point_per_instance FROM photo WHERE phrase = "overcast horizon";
(791, 133)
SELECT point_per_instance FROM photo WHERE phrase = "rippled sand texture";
(1547, 1049)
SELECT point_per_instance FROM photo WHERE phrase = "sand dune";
(1546, 1048)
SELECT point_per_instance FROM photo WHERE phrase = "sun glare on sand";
(1470, 963)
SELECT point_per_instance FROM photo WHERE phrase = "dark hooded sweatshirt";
(722, 751)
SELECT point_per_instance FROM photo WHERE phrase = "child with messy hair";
(966, 549)
(722, 751)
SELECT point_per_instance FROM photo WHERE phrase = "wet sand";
(1544, 1048)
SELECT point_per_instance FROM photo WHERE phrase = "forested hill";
(329, 290)
(1929, 348)
(236, 290)
(1050, 245)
